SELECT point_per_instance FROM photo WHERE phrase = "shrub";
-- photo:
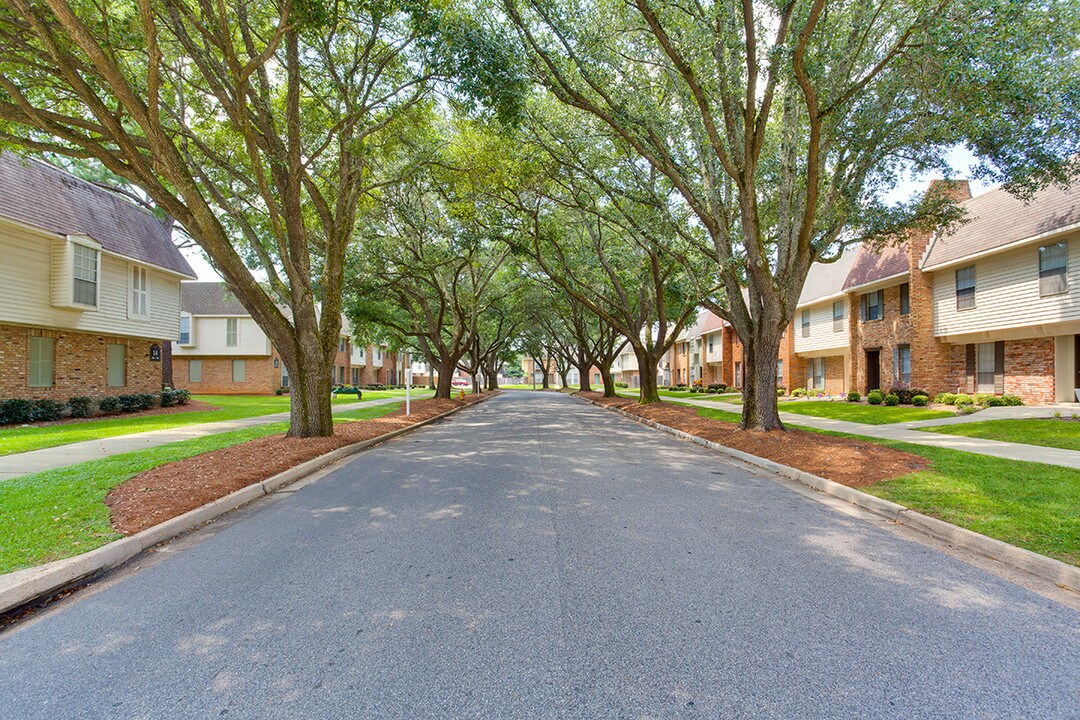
(147, 401)
(853, 396)
(1012, 400)
(81, 407)
(962, 399)
(109, 405)
(182, 396)
(780, 392)
(798, 392)
(128, 403)
(966, 408)
(945, 398)
(874, 397)
(919, 401)
(892, 399)
(47, 410)
(618, 385)
(16, 411)
(905, 394)
(716, 387)
(276, 392)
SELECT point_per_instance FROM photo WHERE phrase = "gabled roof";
(870, 265)
(710, 322)
(40, 195)
(828, 279)
(997, 219)
(209, 298)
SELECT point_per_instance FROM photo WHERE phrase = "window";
(85, 275)
(378, 353)
(738, 375)
(815, 379)
(185, 330)
(710, 346)
(873, 305)
(902, 364)
(1053, 269)
(194, 372)
(42, 359)
(596, 378)
(355, 376)
(363, 354)
(117, 364)
(341, 344)
(232, 332)
(140, 294)
(905, 299)
(985, 363)
(806, 323)
(284, 376)
(341, 374)
(838, 316)
(965, 288)
(779, 373)
(239, 370)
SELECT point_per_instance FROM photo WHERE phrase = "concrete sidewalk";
(906, 432)
(12, 466)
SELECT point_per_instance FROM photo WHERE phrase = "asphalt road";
(539, 558)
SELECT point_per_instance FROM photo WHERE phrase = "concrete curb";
(22, 587)
(1062, 574)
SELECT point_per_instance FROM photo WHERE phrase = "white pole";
(408, 389)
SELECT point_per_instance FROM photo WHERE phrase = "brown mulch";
(191, 406)
(173, 489)
(850, 462)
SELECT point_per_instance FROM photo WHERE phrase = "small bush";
(962, 399)
(798, 392)
(717, 387)
(874, 397)
(945, 398)
(618, 385)
(147, 401)
(128, 403)
(16, 411)
(966, 408)
(81, 407)
(919, 401)
(853, 396)
(780, 392)
(181, 396)
(109, 405)
(278, 391)
(892, 399)
(47, 410)
(1012, 400)
(906, 393)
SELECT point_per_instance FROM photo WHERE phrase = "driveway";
(536, 557)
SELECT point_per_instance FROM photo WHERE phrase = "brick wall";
(260, 375)
(794, 370)
(1029, 369)
(80, 366)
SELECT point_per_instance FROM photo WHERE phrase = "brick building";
(89, 287)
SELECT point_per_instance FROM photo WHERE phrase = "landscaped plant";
(780, 392)
(81, 407)
(798, 392)
(1012, 400)
(853, 396)
(622, 385)
(46, 410)
(919, 401)
(15, 411)
(874, 397)
(128, 403)
(906, 393)
(109, 405)
(892, 399)
(962, 399)
(945, 398)
(147, 401)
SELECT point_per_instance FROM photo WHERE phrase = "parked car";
(460, 382)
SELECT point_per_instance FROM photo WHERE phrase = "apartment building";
(819, 336)
(89, 287)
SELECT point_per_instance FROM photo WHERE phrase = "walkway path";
(906, 432)
(537, 557)
(12, 466)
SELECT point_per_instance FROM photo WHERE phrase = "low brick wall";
(260, 376)
(80, 367)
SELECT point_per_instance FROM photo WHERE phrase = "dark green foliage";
(15, 411)
(147, 401)
(892, 400)
(854, 397)
(46, 410)
(919, 401)
(109, 405)
(874, 397)
(81, 407)
(128, 403)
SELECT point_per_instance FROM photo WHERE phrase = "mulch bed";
(191, 406)
(851, 462)
(173, 489)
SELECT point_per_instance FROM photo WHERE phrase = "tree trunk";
(310, 413)
(562, 377)
(650, 389)
(759, 411)
(446, 377)
(609, 381)
(545, 384)
(584, 382)
(491, 374)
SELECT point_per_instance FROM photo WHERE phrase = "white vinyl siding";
(42, 361)
(117, 364)
(1010, 283)
(232, 332)
(823, 332)
(209, 335)
(140, 293)
(195, 371)
(36, 282)
(239, 370)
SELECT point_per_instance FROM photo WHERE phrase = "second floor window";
(873, 305)
(185, 330)
(341, 344)
(965, 288)
(85, 272)
(232, 332)
(1053, 269)
(838, 316)
(805, 323)
(905, 299)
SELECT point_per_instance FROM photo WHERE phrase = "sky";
(960, 160)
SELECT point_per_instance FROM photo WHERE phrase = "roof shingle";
(209, 298)
(871, 265)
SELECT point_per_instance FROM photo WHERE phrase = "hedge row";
(17, 411)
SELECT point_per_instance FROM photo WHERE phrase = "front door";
(1076, 366)
(873, 370)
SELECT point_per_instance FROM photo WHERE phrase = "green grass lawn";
(58, 513)
(867, 414)
(230, 407)
(680, 394)
(1049, 432)
(1031, 505)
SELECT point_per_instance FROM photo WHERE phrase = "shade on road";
(539, 558)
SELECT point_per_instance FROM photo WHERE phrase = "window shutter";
(862, 310)
(999, 367)
(970, 379)
(896, 365)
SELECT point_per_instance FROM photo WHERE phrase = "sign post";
(408, 389)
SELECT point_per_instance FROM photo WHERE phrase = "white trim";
(1014, 245)
(823, 299)
(87, 242)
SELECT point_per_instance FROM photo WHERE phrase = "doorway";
(873, 370)
(1076, 366)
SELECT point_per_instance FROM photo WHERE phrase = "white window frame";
(963, 300)
(35, 379)
(75, 268)
(190, 324)
(804, 322)
(1054, 272)
(139, 297)
(232, 330)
